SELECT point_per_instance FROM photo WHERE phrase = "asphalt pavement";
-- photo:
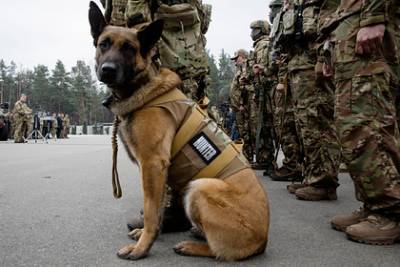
(57, 209)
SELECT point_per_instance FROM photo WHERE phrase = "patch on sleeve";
(204, 147)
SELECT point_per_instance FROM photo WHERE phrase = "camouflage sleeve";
(282, 72)
(26, 110)
(19, 109)
(374, 12)
(235, 92)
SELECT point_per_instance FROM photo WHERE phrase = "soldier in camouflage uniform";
(66, 126)
(364, 53)
(242, 98)
(283, 109)
(21, 119)
(265, 155)
(313, 101)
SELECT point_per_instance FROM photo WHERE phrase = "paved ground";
(57, 209)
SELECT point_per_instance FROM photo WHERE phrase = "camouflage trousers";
(22, 126)
(285, 129)
(314, 117)
(246, 123)
(265, 149)
(366, 119)
(368, 131)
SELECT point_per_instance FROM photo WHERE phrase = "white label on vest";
(204, 147)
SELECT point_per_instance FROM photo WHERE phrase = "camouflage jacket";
(238, 91)
(370, 11)
(21, 110)
(261, 53)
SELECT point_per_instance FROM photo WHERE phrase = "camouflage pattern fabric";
(365, 109)
(66, 126)
(285, 127)
(313, 111)
(265, 129)
(182, 44)
(282, 104)
(313, 107)
(118, 12)
(242, 93)
(21, 120)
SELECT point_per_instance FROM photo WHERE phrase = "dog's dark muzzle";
(108, 73)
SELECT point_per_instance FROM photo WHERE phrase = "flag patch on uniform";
(204, 147)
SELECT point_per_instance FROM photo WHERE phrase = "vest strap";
(187, 130)
(170, 96)
(223, 159)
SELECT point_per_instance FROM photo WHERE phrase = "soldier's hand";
(370, 39)
(280, 87)
(257, 69)
(327, 70)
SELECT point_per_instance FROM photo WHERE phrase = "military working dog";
(222, 195)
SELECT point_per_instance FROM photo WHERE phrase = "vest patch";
(204, 147)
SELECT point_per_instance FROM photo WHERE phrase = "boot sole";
(373, 242)
(302, 197)
(338, 228)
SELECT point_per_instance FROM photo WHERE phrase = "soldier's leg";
(370, 139)
(266, 152)
(18, 128)
(288, 140)
(252, 125)
(315, 121)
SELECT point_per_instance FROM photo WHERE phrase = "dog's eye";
(127, 47)
(104, 45)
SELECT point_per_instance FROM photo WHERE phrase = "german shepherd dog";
(233, 213)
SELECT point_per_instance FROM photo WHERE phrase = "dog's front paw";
(135, 234)
(131, 252)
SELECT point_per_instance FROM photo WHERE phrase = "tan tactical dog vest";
(200, 148)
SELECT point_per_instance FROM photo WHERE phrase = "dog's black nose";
(108, 71)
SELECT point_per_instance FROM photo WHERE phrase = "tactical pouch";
(205, 18)
(181, 47)
(276, 25)
(310, 18)
(118, 12)
(177, 17)
(289, 23)
(138, 7)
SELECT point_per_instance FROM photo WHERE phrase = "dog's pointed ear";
(149, 36)
(97, 21)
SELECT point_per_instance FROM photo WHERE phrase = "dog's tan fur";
(232, 213)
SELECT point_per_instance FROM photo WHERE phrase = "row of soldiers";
(322, 84)
(23, 123)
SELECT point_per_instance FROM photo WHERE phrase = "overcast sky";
(41, 31)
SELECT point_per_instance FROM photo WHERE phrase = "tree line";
(77, 92)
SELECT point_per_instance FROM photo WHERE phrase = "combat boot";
(341, 222)
(258, 166)
(197, 233)
(375, 230)
(284, 175)
(312, 193)
(293, 187)
(136, 223)
(174, 220)
(269, 170)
